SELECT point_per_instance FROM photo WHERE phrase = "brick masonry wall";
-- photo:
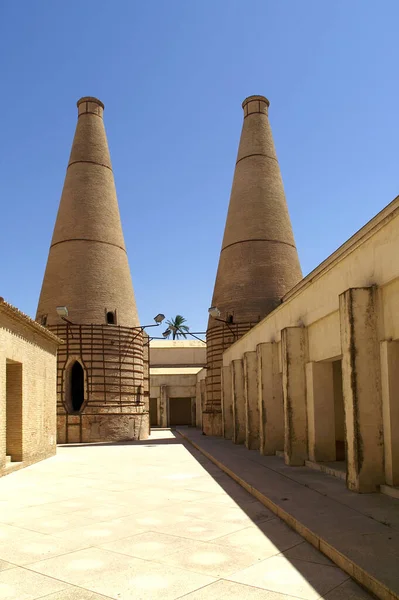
(38, 359)
(116, 402)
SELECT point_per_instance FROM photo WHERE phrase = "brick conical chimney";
(87, 299)
(258, 261)
(87, 268)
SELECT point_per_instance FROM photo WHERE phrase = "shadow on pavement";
(309, 564)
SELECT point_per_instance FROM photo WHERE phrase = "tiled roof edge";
(16, 314)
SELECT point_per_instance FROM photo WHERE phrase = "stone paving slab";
(74, 593)
(358, 532)
(150, 520)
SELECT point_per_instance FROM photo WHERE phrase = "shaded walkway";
(359, 532)
(148, 520)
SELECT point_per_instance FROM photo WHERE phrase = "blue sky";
(172, 75)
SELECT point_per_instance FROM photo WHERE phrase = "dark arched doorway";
(76, 386)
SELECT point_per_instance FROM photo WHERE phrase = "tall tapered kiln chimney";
(87, 298)
(258, 261)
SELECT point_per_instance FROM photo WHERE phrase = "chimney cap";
(90, 99)
(252, 98)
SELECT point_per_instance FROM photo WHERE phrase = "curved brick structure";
(87, 268)
(258, 261)
(88, 272)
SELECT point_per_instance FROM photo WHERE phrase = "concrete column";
(362, 389)
(198, 411)
(164, 407)
(390, 409)
(270, 399)
(237, 386)
(251, 401)
(158, 399)
(294, 354)
(227, 403)
(193, 412)
(203, 398)
(320, 409)
(3, 416)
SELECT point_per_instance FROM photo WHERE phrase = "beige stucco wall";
(27, 349)
(174, 366)
(173, 353)
(345, 310)
(170, 383)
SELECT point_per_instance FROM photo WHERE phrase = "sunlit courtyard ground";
(148, 520)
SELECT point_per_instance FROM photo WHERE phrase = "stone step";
(336, 469)
(359, 532)
(155, 428)
(390, 491)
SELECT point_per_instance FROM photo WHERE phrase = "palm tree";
(177, 327)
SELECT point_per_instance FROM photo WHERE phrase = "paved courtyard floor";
(146, 521)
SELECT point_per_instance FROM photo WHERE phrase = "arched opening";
(76, 386)
(111, 318)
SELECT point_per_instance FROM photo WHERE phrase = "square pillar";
(227, 403)
(251, 401)
(202, 402)
(193, 412)
(164, 407)
(294, 356)
(362, 389)
(320, 410)
(270, 399)
(237, 391)
(389, 352)
(203, 394)
(198, 407)
(3, 416)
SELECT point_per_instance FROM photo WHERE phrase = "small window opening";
(77, 386)
(111, 318)
(139, 394)
(43, 320)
